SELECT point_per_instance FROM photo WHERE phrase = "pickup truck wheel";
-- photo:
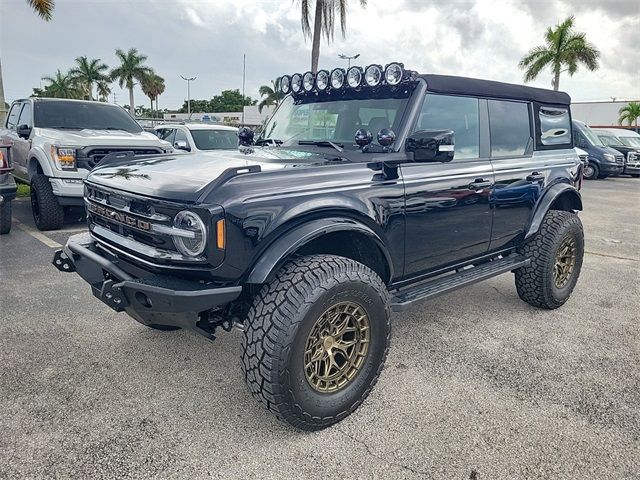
(316, 339)
(5, 218)
(556, 253)
(47, 212)
(591, 171)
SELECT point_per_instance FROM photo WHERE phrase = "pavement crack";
(381, 458)
(606, 255)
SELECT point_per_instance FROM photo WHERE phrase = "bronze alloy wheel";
(565, 261)
(337, 347)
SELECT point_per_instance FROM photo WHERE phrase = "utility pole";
(348, 58)
(244, 71)
(188, 80)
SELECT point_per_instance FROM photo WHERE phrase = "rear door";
(10, 137)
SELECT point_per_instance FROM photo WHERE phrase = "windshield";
(592, 137)
(610, 140)
(83, 115)
(631, 141)
(334, 120)
(207, 139)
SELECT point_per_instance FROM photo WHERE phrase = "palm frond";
(44, 8)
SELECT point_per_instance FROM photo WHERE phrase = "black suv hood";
(183, 177)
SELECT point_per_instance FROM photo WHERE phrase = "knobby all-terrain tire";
(48, 214)
(279, 323)
(5, 218)
(535, 282)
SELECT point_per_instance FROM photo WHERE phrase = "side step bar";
(406, 297)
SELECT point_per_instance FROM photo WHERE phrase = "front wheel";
(591, 171)
(316, 339)
(5, 218)
(556, 253)
(48, 214)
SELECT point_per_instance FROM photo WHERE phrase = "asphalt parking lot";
(478, 385)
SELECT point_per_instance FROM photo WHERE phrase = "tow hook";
(62, 262)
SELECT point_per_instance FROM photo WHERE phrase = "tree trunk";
(556, 79)
(3, 109)
(317, 33)
(132, 107)
(151, 100)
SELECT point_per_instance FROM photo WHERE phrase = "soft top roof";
(488, 88)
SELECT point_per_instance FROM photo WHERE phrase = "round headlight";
(322, 80)
(337, 78)
(373, 75)
(393, 74)
(191, 241)
(307, 81)
(354, 77)
(296, 82)
(285, 84)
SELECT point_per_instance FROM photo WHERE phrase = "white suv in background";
(198, 137)
(55, 142)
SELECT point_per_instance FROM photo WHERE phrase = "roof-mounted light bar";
(338, 79)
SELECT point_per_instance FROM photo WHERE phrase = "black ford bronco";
(354, 201)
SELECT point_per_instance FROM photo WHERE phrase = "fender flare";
(281, 249)
(42, 159)
(548, 199)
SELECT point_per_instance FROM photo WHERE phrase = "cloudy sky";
(207, 38)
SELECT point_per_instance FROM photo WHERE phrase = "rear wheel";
(591, 171)
(5, 218)
(316, 339)
(48, 214)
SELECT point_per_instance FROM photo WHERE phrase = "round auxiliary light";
(192, 240)
(307, 81)
(337, 78)
(296, 82)
(322, 80)
(373, 75)
(354, 77)
(285, 84)
(393, 74)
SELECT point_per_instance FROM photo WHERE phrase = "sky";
(207, 39)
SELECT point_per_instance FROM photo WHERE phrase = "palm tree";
(630, 114)
(272, 93)
(103, 90)
(563, 48)
(152, 86)
(44, 8)
(323, 22)
(131, 68)
(62, 85)
(87, 72)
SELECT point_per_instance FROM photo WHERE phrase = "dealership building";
(599, 114)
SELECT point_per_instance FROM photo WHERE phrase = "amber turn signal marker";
(220, 234)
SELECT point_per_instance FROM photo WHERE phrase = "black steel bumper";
(150, 299)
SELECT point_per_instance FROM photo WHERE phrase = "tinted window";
(25, 115)
(13, 115)
(460, 114)
(81, 115)
(215, 139)
(509, 128)
(555, 126)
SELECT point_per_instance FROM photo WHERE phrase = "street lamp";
(188, 80)
(348, 58)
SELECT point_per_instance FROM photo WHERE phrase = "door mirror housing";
(431, 145)
(24, 131)
(182, 145)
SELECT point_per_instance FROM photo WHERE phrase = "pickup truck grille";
(90, 156)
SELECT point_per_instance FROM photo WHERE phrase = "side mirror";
(431, 145)
(24, 131)
(182, 145)
(245, 137)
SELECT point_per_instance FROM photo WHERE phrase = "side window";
(181, 137)
(25, 116)
(509, 128)
(168, 135)
(159, 133)
(12, 118)
(555, 126)
(460, 114)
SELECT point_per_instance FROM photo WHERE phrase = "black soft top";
(488, 88)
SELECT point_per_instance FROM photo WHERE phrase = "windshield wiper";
(322, 143)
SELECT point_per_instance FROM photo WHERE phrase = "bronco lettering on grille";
(119, 217)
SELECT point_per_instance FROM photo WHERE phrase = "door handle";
(479, 184)
(535, 177)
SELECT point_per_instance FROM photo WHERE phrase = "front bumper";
(148, 298)
(611, 168)
(632, 168)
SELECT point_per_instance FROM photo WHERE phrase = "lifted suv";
(308, 239)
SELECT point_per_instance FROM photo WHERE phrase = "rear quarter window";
(555, 126)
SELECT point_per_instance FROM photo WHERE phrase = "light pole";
(188, 80)
(348, 58)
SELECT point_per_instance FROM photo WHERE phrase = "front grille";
(90, 156)
(620, 159)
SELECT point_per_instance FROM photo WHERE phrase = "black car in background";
(615, 138)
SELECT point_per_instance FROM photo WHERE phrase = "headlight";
(307, 81)
(393, 74)
(296, 82)
(373, 75)
(285, 85)
(354, 77)
(337, 78)
(610, 158)
(322, 80)
(64, 157)
(190, 244)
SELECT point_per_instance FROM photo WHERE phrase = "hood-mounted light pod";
(363, 137)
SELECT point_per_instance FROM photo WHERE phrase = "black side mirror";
(431, 145)
(24, 131)
(245, 137)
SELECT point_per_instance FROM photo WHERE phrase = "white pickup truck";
(56, 142)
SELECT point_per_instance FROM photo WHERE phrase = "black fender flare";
(548, 199)
(281, 249)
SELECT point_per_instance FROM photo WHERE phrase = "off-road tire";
(5, 218)
(48, 214)
(594, 175)
(535, 283)
(278, 325)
